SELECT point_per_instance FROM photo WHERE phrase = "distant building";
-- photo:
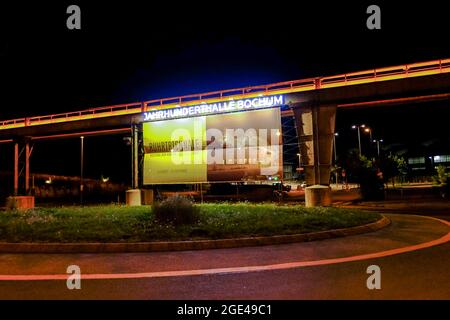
(288, 171)
(424, 157)
(426, 165)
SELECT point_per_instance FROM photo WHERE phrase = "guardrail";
(354, 78)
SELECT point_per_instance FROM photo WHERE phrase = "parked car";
(281, 186)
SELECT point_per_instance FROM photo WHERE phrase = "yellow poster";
(175, 151)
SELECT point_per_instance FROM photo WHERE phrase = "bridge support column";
(16, 168)
(22, 153)
(27, 168)
(316, 125)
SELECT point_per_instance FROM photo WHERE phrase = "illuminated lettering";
(214, 108)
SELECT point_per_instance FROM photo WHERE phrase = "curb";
(189, 245)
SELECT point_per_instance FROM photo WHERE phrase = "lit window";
(417, 160)
(440, 159)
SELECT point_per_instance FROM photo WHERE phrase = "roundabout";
(328, 268)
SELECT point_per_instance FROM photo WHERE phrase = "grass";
(130, 224)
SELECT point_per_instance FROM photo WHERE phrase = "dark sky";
(127, 51)
(130, 52)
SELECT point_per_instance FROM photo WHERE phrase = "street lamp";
(335, 157)
(369, 131)
(359, 135)
(299, 159)
(378, 145)
(81, 169)
(299, 169)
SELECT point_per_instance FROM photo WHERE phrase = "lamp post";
(378, 145)
(299, 159)
(81, 170)
(359, 135)
(369, 131)
(299, 165)
(335, 157)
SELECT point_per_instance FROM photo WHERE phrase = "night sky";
(128, 52)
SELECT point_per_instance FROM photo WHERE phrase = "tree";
(366, 173)
(393, 166)
(442, 176)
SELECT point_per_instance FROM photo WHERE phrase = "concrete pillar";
(133, 197)
(316, 125)
(20, 202)
(147, 196)
(318, 195)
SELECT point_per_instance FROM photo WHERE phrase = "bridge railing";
(380, 74)
(218, 95)
(74, 115)
(367, 76)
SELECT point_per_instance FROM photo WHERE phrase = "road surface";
(413, 254)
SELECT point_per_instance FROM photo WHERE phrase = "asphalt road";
(269, 272)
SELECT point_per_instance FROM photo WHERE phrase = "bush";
(372, 187)
(176, 210)
(442, 178)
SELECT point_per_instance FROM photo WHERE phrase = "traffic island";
(129, 229)
(157, 246)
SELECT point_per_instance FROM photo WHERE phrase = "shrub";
(442, 176)
(176, 210)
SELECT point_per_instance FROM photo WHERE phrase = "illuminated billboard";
(239, 146)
